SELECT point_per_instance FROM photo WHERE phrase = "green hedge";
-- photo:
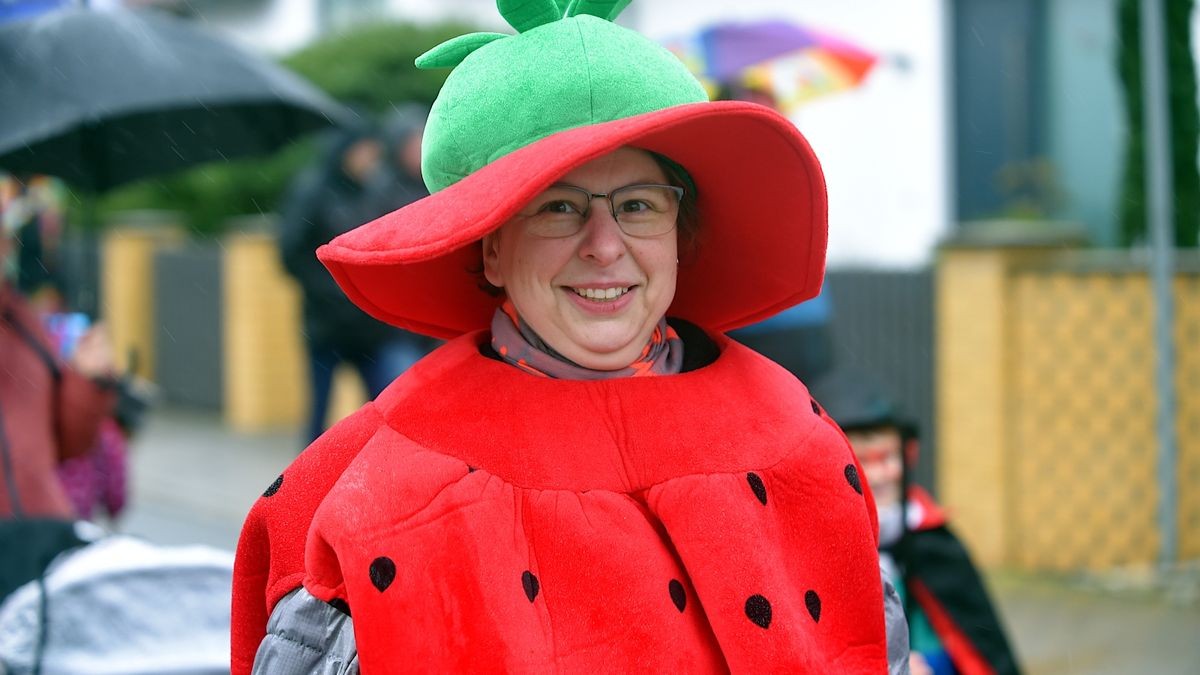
(370, 68)
(1184, 120)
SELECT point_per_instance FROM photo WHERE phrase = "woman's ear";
(491, 259)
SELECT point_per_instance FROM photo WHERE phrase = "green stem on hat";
(605, 9)
(525, 15)
(451, 52)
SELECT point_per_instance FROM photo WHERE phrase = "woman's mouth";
(602, 294)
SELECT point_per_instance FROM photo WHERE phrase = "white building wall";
(479, 12)
(273, 27)
(885, 146)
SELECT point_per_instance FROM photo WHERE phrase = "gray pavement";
(193, 481)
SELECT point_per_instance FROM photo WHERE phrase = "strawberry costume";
(479, 515)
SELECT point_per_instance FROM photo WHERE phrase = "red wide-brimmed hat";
(521, 111)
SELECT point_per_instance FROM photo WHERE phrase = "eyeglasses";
(644, 210)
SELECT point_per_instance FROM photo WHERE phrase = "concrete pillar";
(127, 282)
(265, 383)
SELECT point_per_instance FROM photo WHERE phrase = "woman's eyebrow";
(640, 181)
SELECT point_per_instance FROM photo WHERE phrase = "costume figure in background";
(588, 476)
(326, 200)
(953, 625)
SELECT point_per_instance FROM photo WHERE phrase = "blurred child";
(953, 626)
(97, 479)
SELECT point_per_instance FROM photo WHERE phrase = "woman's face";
(554, 282)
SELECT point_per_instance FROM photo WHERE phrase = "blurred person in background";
(32, 212)
(953, 625)
(396, 185)
(50, 411)
(334, 195)
(32, 208)
(399, 183)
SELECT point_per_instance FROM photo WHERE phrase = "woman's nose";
(603, 242)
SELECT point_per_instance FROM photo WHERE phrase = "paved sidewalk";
(193, 481)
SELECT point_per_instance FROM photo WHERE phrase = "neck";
(517, 343)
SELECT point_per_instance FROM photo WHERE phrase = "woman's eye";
(634, 206)
(559, 206)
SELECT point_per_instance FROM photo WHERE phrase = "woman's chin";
(613, 354)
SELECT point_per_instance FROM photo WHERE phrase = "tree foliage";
(370, 68)
(1184, 116)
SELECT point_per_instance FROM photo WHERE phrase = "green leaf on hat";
(605, 9)
(451, 52)
(529, 14)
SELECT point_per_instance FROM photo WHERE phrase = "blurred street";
(194, 480)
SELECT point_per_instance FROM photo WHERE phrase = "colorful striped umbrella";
(792, 63)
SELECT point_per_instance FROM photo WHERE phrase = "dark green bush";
(1184, 118)
(370, 68)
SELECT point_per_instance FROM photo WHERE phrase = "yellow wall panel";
(265, 381)
(1047, 408)
(971, 381)
(127, 287)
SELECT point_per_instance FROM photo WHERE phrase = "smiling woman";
(589, 476)
(580, 279)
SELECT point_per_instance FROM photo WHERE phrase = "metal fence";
(1083, 404)
(189, 325)
(883, 324)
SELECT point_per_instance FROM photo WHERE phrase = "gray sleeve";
(306, 635)
(897, 627)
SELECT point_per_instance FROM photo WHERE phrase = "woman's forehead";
(620, 167)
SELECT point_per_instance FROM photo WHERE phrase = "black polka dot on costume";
(813, 602)
(678, 595)
(757, 487)
(340, 605)
(816, 408)
(530, 584)
(470, 469)
(852, 478)
(382, 571)
(758, 610)
(274, 487)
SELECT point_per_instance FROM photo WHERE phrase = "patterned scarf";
(516, 343)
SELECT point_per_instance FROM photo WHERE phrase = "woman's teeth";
(601, 293)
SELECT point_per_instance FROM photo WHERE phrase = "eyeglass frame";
(678, 191)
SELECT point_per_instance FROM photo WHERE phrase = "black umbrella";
(102, 98)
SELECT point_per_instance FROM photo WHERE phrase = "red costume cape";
(476, 517)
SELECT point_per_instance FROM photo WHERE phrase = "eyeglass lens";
(640, 210)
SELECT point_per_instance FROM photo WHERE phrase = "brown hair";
(687, 223)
